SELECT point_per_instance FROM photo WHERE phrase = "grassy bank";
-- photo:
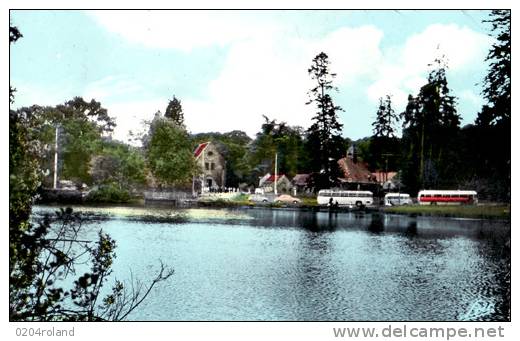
(481, 211)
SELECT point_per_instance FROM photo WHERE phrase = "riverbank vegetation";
(45, 254)
(434, 151)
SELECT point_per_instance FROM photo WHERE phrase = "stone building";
(212, 166)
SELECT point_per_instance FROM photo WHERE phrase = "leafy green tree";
(277, 138)
(43, 254)
(115, 172)
(169, 153)
(14, 35)
(120, 164)
(174, 112)
(324, 141)
(81, 125)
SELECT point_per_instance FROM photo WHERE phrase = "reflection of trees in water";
(429, 248)
(316, 281)
(411, 229)
(377, 224)
(496, 238)
(321, 222)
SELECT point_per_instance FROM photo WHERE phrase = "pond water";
(264, 264)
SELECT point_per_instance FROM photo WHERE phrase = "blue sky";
(229, 68)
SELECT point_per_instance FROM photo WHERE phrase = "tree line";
(433, 152)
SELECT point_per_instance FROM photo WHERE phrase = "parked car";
(258, 198)
(286, 198)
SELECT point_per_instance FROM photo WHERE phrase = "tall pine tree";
(430, 127)
(174, 112)
(494, 120)
(325, 144)
(384, 145)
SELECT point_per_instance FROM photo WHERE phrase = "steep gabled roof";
(355, 171)
(272, 177)
(199, 149)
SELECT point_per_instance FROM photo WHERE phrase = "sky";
(228, 68)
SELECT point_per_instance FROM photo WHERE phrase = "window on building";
(212, 166)
(210, 153)
(206, 165)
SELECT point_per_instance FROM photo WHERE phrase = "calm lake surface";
(262, 264)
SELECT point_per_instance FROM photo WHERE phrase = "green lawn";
(480, 211)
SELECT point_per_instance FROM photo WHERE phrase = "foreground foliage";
(46, 256)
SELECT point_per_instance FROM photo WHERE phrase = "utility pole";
(56, 159)
(203, 176)
(386, 155)
(276, 174)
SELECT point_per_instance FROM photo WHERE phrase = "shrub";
(109, 193)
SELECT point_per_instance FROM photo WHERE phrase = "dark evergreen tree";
(497, 83)
(494, 120)
(430, 128)
(385, 119)
(174, 112)
(384, 145)
(324, 141)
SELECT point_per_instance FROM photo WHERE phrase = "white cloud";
(130, 115)
(28, 93)
(353, 51)
(183, 30)
(126, 101)
(265, 71)
(269, 76)
(462, 47)
(405, 68)
(472, 97)
(107, 88)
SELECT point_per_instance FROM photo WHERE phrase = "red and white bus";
(441, 197)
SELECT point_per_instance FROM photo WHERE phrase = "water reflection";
(411, 229)
(304, 265)
(377, 224)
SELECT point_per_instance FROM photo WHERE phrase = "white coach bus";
(345, 198)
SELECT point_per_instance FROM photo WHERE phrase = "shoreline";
(479, 212)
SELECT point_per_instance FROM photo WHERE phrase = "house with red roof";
(283, 184)
(212, 168)
(355, 173)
